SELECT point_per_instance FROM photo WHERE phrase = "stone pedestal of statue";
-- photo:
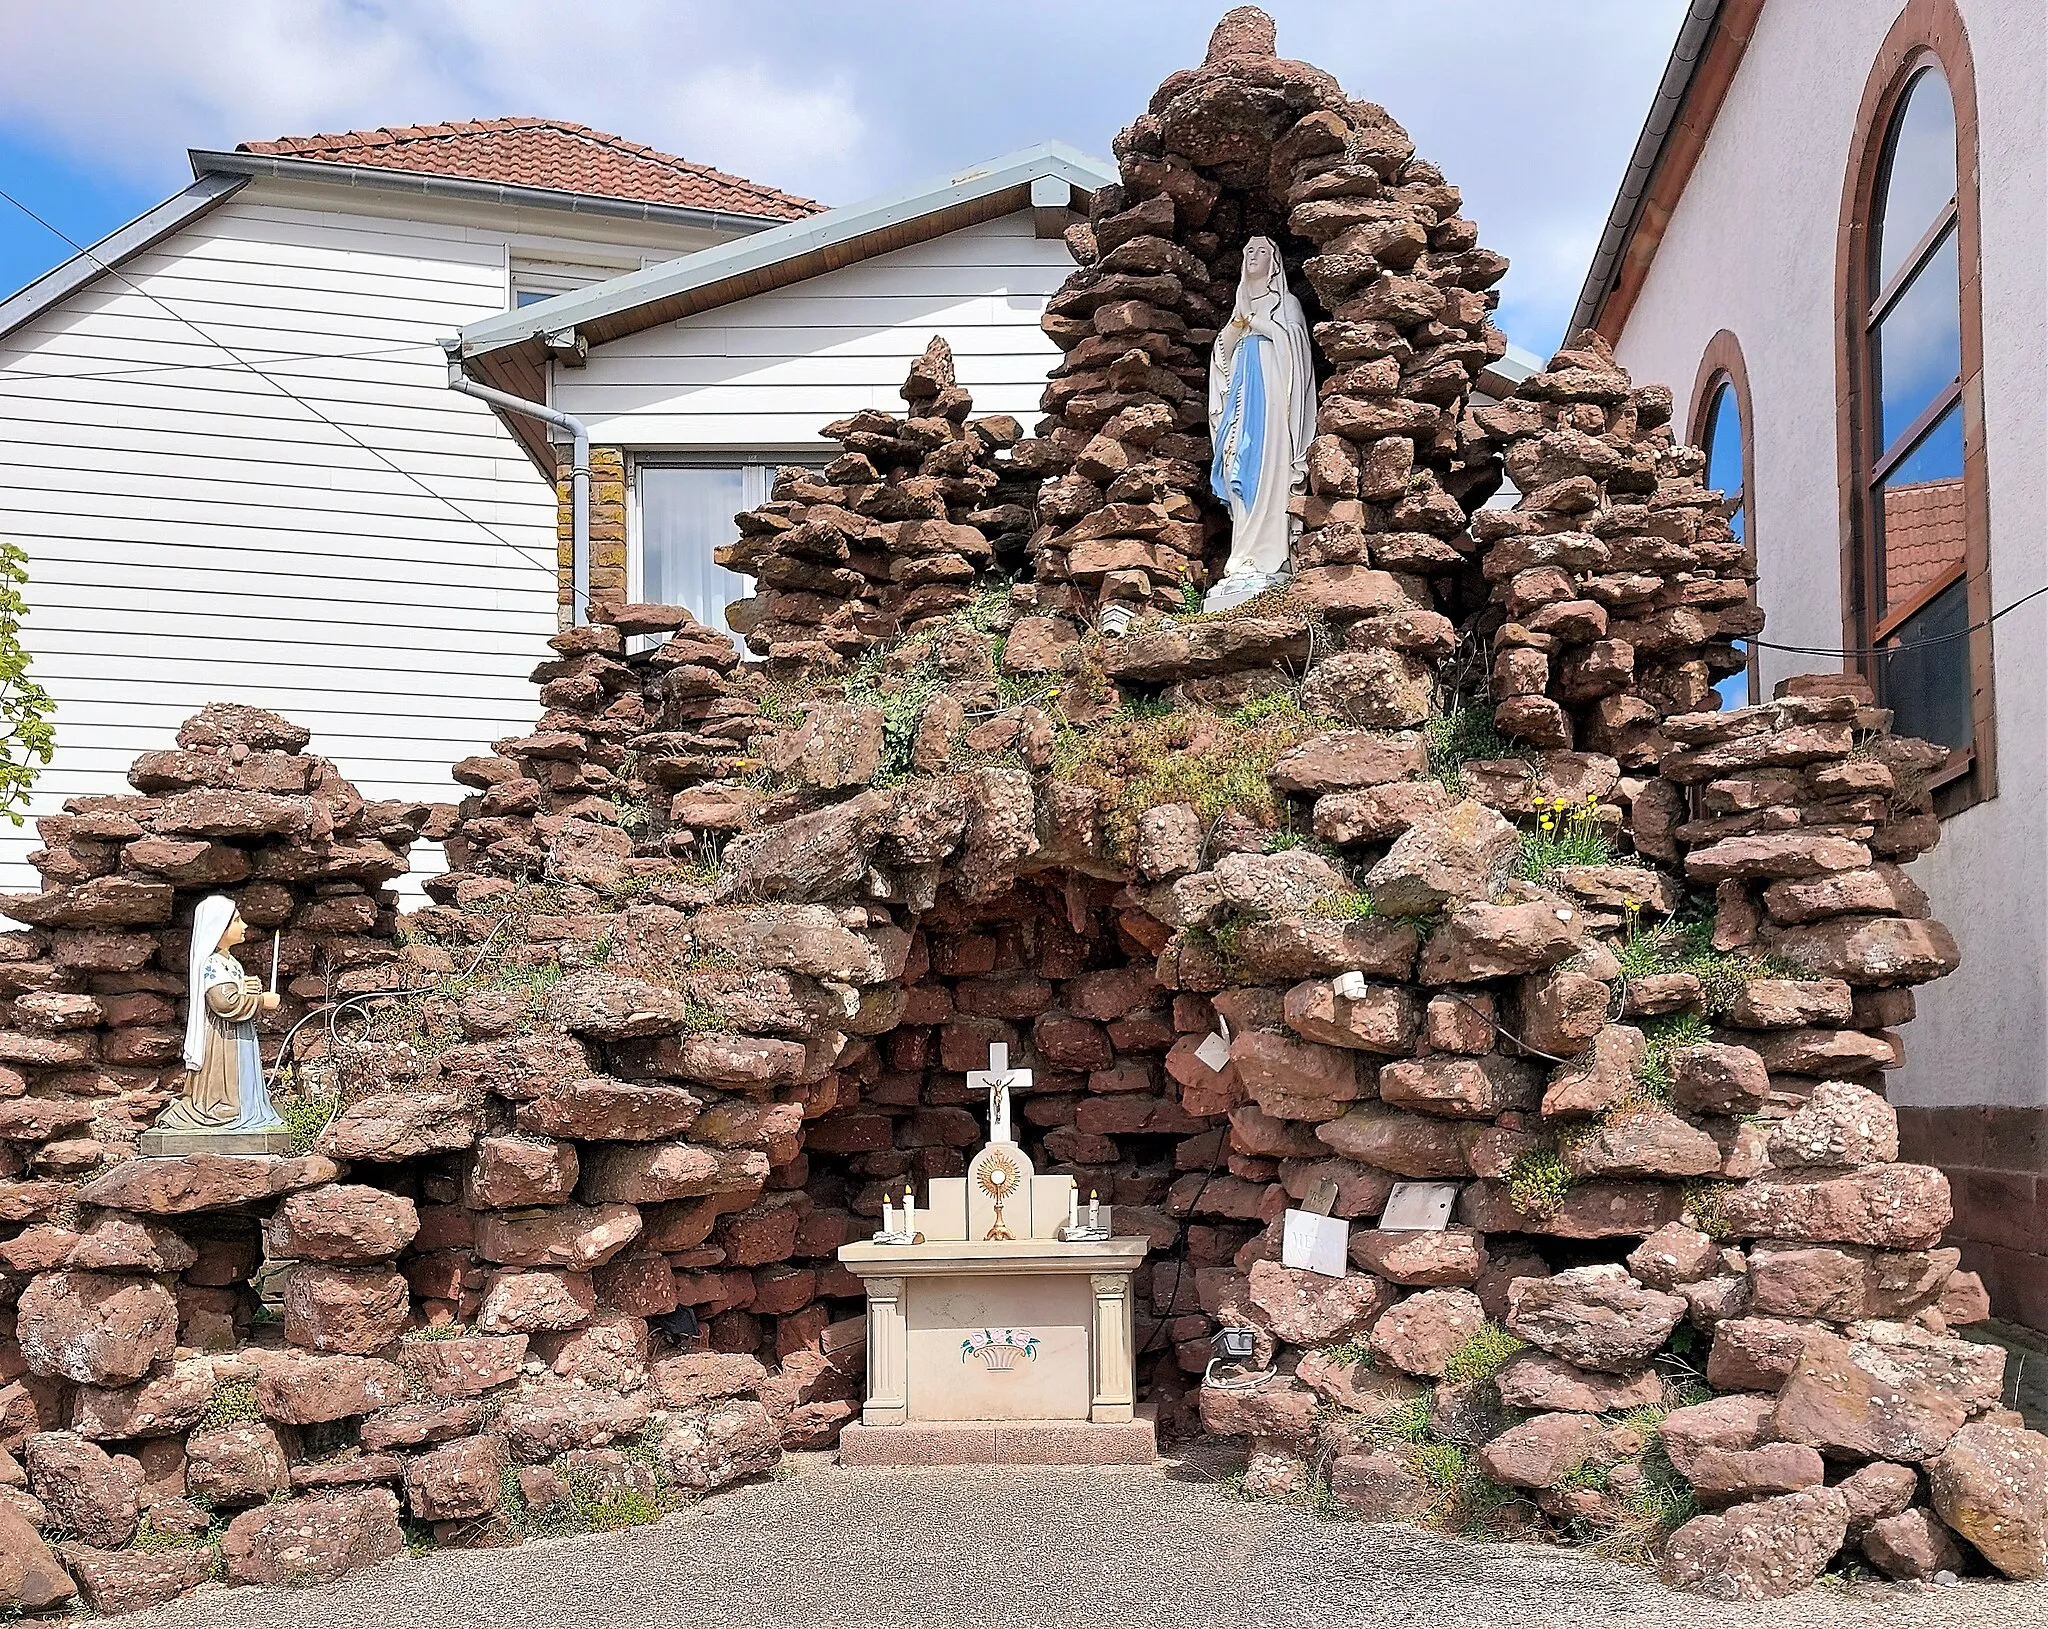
(271, 1140)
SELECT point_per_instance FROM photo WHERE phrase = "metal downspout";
(579, 469)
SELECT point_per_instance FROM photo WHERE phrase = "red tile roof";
(1925, 534)
(548, 153)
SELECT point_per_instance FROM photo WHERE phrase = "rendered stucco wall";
(1752, 248)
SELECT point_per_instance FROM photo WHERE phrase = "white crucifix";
(997, 1080)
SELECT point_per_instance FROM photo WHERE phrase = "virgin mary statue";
(225, 1096)
(1262, 416)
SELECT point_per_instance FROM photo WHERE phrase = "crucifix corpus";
(999, 1080)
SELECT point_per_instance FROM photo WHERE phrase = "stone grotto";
(1445, 834)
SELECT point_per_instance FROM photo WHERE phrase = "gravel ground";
(829, 1548)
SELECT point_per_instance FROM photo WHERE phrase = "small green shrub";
(1705, 1204)
(1687, 946)
(1349, 1352)
(307, 1117)
(1460, 736)
(627, 1507)
(1538, 1182)
(1346, 905)
(1409, 1422)
(152, 1542)
(233, 1403)
(1666, 1034)
(1481, 1356)
(422, 1334)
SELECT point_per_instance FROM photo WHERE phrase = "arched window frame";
(1927, 34)
(1722, 364)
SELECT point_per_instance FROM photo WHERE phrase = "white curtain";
(686, 511)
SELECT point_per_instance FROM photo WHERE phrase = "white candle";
(1073, 1205)
(909, 1214)
(1094, 1211)
(888, 1217)
(275, 940)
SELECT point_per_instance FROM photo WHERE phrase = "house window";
(535, 278)
(1908, 346)
(685, 511)
(1722, 444)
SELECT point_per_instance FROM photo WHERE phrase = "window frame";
(1928, 36)
(765, 459)
(1722, 363)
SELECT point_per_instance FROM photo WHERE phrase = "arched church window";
(1726, 473)
(1910, 486)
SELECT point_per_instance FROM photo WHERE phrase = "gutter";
(413, 183)
(579, 470)
(1687, 52)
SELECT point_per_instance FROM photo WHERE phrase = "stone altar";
(999, 1319)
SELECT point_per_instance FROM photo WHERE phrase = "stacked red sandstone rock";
(570, 803)
(1250, 145)
(1621, 583)
(92, 1030)
(894, 532)
(731, 1071)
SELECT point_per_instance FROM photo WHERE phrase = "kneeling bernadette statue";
(225, 1106)
(1262, 417)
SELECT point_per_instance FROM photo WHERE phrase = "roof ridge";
(384, 139)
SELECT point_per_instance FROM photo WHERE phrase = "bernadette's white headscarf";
(209, 922)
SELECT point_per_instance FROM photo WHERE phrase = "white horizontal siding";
(195, 535)
(770, 371)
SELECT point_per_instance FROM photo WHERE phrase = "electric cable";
(548, 564)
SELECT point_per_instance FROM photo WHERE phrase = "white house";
(695, 378)
(227, 443)
(1834, 239)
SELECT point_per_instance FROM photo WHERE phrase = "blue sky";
(1531, 106)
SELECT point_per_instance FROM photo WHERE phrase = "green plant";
(1564, 835)
(233, 1403)
(1705, 1203)
(1687, 946)
(1346, 905)
(152, 1542)
(422, 1334)
(1666, 1034)
(1353, 1351)
(1216, 763)
(27, 737)
(625, 1507)
(1538, 1182)
(1459, 736)
(1407, 1421)
(307, 1116)
(1482, 1354)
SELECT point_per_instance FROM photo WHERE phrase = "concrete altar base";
(1002, 1442)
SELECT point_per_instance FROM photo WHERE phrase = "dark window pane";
(1921, 175)
(1921, 531)
(1724, 443)
(685, 513)
(1928, 689)
(1918, 348)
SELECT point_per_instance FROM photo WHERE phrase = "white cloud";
(1531, 106)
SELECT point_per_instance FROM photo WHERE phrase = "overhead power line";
(548, 564)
